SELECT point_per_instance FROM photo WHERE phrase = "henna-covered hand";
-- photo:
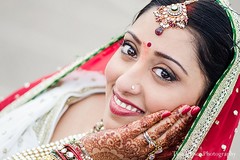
(127, 142)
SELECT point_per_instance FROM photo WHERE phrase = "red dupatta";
(218, 141)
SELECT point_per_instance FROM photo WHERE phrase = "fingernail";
(195, 110)
(166, 114)
(185, 109)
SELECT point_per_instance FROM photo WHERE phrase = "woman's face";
(149, 73)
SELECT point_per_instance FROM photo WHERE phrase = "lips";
(123, 107)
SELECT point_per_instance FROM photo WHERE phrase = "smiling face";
(150, 73)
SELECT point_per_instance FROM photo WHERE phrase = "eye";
(128, 49)
(164, 74)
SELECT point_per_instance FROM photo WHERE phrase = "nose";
(128, 88)
(135, 88)
(130, 82)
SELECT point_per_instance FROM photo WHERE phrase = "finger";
(194, 111)
(173, 128)
(186, 109)
(137, 127)
(153, 133)
(148, 121)
(176, 133)
(163, 125)
(183, 110)
(160, 128)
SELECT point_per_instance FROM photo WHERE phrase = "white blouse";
(33, 123)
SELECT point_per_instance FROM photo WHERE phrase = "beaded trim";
(43, 152)
(47, 152)
(73, 151)
(215, 101)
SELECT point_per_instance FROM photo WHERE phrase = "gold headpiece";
(174, 15)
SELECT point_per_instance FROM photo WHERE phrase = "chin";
(109, 123)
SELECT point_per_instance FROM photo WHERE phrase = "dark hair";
(211, 27)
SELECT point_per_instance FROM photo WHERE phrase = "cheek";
(112, 69)
(160, 101)
(169, 98)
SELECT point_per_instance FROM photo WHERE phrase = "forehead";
(175, 38)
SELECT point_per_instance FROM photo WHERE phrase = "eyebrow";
(160, 54)
(157, 53)
(134, 37)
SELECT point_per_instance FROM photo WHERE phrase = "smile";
(126, 106)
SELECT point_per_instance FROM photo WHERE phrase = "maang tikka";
(174, 16)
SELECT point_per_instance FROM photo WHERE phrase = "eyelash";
(131, 52)
(164, 72)
(127, 52)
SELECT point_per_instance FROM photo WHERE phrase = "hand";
(127, 142)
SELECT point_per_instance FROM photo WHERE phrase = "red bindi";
(149, 44)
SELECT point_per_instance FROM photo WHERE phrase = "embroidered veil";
(211, 135)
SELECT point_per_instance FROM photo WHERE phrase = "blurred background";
(37, 37)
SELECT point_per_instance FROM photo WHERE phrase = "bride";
(175, 59)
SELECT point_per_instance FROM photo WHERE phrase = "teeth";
(118, 102)
(129, 108)
(134, 110)
(124, 105)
